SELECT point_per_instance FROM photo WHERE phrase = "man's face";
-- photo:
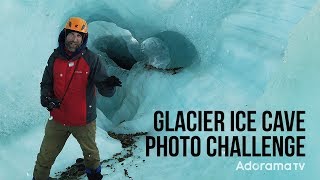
(73, 41)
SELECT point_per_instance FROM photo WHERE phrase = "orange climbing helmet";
(77, 24)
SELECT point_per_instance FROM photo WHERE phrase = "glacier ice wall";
(31, 34)
(295, 86)
(240, 46)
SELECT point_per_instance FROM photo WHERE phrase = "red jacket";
(79, 103)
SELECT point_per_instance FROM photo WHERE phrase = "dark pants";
(55, 138)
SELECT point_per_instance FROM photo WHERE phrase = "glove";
(112, 81)
(52, 103)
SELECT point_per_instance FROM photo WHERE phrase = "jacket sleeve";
(99, 74)
(46, 85)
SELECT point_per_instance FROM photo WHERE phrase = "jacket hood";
(61, 48)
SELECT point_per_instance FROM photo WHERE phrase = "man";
(68, 89)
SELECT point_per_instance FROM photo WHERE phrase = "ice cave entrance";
(163, 50)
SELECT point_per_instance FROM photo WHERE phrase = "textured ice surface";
(156, 52)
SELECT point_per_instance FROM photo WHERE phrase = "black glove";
(52, 103)
(112, 81)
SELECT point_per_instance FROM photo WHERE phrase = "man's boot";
(94, 174)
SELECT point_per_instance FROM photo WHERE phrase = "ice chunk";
(156, 52)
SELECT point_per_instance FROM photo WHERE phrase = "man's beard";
(72, 46)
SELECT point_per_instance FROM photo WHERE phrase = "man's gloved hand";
(52, 103)
(112, 81)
